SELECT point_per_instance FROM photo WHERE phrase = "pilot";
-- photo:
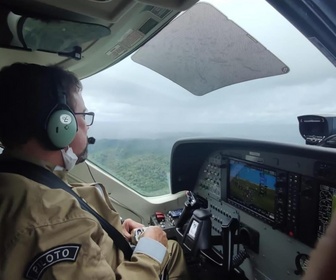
(44, 232)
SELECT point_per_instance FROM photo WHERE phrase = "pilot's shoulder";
(28, 206)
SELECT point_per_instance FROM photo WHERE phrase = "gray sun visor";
(202, 50)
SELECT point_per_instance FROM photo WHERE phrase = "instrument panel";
(283, 196)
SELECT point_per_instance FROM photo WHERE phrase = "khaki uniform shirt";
(44, 234)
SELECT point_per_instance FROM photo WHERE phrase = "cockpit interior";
(240, 208)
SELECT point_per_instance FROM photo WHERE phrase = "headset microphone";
(91, 140)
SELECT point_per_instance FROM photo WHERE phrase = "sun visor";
(202, 50)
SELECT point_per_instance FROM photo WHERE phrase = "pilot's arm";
(322, 264)
(77, 248)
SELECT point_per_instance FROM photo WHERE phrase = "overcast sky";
(132, 101)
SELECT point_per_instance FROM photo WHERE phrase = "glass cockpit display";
(252, 188)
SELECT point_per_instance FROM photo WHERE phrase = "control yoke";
(189, 206)
(194, 235)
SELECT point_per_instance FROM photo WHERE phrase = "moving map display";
(252, 187)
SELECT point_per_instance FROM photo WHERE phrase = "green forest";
(142, 164)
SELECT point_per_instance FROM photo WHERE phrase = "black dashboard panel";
(284, 193)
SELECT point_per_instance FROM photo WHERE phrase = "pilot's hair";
(28, 92)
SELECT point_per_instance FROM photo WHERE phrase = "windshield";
(140, 114)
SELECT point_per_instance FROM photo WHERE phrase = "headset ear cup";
(61, 128)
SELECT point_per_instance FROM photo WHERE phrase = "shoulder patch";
(62, 253)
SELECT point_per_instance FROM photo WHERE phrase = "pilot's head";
(43, 103)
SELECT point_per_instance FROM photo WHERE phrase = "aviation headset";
(60, 125)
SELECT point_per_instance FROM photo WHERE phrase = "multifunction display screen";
(252, 188)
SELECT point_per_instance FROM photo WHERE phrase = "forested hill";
(134, 145)
(143, 164)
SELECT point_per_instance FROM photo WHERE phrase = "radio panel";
(327, 203)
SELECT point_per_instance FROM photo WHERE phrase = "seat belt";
(45, 177)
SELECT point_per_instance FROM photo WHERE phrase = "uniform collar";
(16, 154)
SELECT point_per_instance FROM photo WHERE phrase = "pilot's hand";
(127, 227)
(322, 264)
(157, 234)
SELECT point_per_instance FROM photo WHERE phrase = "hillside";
(142, 164)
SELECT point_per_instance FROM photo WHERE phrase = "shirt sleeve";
(151, 248)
